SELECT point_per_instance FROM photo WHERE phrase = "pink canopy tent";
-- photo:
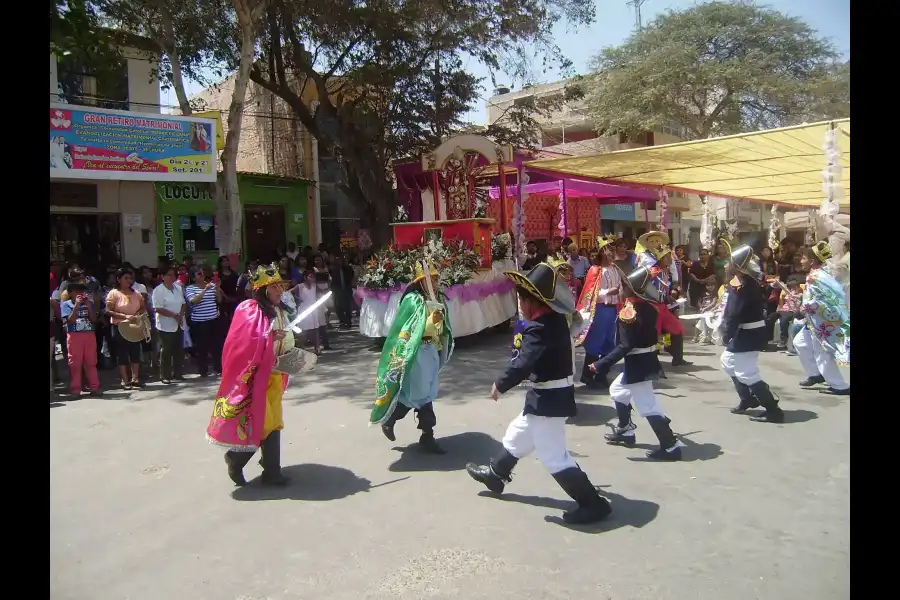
(603, 193)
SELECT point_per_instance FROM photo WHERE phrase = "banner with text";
(95, 143)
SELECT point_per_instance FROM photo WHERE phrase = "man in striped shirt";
(207, 336)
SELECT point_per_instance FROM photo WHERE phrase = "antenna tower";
(637, 12)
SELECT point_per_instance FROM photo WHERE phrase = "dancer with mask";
(418, 346)
(745, 336)
(541, 355)
(824, 341)
(636, 339)
(258, 357)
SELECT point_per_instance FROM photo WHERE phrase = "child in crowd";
(708, 303)
(79, 316)
(788, 305)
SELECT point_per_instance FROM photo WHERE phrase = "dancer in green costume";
(417, 348)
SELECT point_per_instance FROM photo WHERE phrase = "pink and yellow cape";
(247, 360)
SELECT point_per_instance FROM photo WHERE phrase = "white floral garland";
(663, 209)
(774, 226)
(518, 215)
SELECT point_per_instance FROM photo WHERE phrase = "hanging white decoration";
(831, 176)
(518, 215)
(706, 226)
(774, 226)
(663, 209)
(810, 237)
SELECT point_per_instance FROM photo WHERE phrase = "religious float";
(455, 234)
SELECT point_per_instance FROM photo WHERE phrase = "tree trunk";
(228, 202)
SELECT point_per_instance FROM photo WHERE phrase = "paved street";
(141, 507)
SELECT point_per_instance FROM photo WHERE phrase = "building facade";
(98, 222)
(275, 214)
(570, 131)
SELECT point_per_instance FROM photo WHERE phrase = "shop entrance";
(93, 241)
(266, 235)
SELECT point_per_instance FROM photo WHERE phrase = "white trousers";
(640, 394)
(818, 361)
(546, 436)
(743, 365)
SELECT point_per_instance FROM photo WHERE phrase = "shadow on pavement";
(626, 512)
(791, 416)
(591, 415)
(462, 448)
(312, 482)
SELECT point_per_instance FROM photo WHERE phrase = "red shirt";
(54, 282)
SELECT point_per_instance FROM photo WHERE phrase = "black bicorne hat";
(744, 260)
(640, 281)
(543, 283)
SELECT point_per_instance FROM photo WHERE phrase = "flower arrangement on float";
(392, 269)
(500, 246)
(395, 268)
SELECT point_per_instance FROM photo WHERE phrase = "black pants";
(207, 339)
(427, 418)
(771, 317)
(127, 353)
(323, 337)
(785, 320)
(343, 305)
(171, 353)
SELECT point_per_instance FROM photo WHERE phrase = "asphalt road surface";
(141, 507)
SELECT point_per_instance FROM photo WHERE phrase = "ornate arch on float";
(454, 166)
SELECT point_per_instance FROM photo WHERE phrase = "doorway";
(93, 241)
(266, 232)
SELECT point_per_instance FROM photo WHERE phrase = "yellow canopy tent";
(777, 166)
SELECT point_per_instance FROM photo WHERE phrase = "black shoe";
(236, 464)
(775, 415)
(669, 447)
(768, 401)
(746, 396)
(592, 507)
(271, 460)
(496, 475)
(811, 381)
(834, 392)
(671, 454)
(621, 435)
(388, 430)
(623, 431)
(428, 445)
(677, 351)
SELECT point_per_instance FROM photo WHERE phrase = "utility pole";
(637, 12)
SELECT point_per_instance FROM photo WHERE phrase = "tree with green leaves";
(389, 76)
(718, 68)
(192, 38)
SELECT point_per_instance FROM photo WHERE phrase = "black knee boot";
(387, 428)
(236, 462)
(587, 376)
(677, 351)
(271, 460)
(669, 447)
(592, 507)
(623, 431)
(746, 396)
(427, 421)
(495, 475)
(773, 414)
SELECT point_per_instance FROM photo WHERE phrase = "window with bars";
(81, 84)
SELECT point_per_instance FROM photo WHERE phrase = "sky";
(615, 22)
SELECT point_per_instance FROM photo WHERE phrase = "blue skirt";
(601, 337)
(420, 382)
